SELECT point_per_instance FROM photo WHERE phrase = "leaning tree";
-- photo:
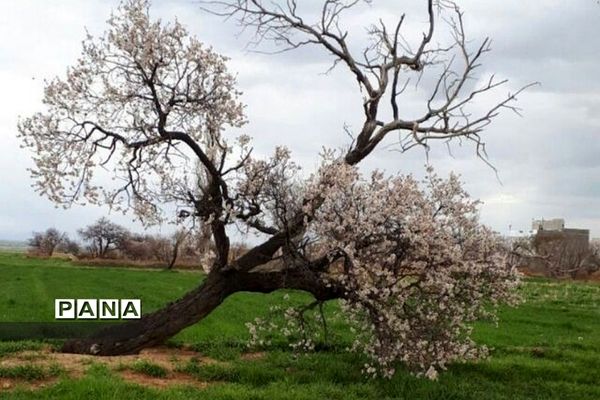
(146, 103)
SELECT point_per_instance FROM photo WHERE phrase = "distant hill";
(12, 245)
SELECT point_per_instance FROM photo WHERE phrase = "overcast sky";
(548, 161)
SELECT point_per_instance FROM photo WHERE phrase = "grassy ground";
(548, 348)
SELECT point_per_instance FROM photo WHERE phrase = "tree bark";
(155, 328)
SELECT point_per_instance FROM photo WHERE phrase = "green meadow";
(547, 348)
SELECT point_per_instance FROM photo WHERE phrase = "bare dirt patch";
(9, 384)
(253, 356)
(173, 379)
(75, 366)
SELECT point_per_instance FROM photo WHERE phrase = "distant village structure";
(554, 230)
(561, 251)
(555, 224)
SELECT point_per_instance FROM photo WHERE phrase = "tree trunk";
(174, 255)
(156, 327)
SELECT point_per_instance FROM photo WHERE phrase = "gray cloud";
(548, 161)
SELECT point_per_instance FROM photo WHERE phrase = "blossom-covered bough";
(149, 105)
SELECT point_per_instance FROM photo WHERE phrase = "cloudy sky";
(548, 161)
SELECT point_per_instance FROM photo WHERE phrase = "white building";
(556, 224)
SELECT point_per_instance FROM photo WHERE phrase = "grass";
(149, 369)
(14, 347)
(30, 372)
(548, 348)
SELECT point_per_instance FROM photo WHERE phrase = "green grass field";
(547, 348)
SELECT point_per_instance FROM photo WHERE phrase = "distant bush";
(137, 248)
(69, 246)
(45, 243)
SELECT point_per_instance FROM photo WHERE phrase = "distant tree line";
(107, 240)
